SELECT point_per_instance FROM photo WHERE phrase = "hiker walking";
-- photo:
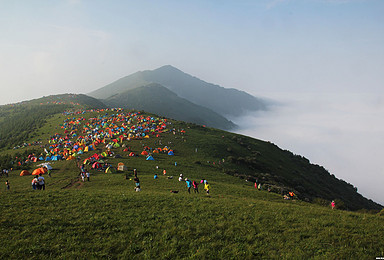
(189, 184)
(195, 187)
(207, 187)
(333, 204)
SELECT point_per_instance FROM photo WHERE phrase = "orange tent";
(38, 171)
(25, 172)
(144, 153)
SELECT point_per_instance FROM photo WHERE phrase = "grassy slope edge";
(106, 218)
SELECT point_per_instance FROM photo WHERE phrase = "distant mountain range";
(155, 98)
(188, 98)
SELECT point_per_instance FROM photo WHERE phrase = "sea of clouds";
(342, 132)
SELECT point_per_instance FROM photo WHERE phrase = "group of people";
(38, 182)
(195, 185)
(5, 172)
(84, 173)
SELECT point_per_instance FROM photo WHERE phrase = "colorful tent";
(150, 158)
(24, 173)
(39, 171)
(110, 170)
(121, 167)
(96, 165)
(46, 165)
(170, 152)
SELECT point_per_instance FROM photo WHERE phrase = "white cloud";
(343, 133)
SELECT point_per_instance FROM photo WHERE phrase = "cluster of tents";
(118, 127)
(41, 170)
(83, 136)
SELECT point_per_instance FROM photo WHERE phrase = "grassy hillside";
(19, 122)
(157, 99)
(106, 218)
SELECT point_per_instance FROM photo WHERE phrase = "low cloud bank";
(342, 132)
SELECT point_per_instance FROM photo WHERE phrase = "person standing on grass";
(333, 204)
(207, 187)
(195, 187)
(7, 185)
(189, 184)
(41, 182)
(87, 174)
(34, 183)
(82, 176)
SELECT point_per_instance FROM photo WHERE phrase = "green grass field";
(106, 218)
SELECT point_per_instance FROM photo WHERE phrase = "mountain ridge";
(224, 101)
(155, 98)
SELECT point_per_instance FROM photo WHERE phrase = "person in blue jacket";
(189, 184)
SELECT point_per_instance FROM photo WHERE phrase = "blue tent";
(56, 157)
(150, 158)
(48, 159)
(170, 153)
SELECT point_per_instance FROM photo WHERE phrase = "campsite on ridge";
(105, 217)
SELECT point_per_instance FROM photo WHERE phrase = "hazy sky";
(283, 49)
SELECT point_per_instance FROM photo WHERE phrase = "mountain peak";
(167, 68)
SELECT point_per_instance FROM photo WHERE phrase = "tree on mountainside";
(18, 125)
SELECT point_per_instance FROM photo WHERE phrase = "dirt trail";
(77, 184)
